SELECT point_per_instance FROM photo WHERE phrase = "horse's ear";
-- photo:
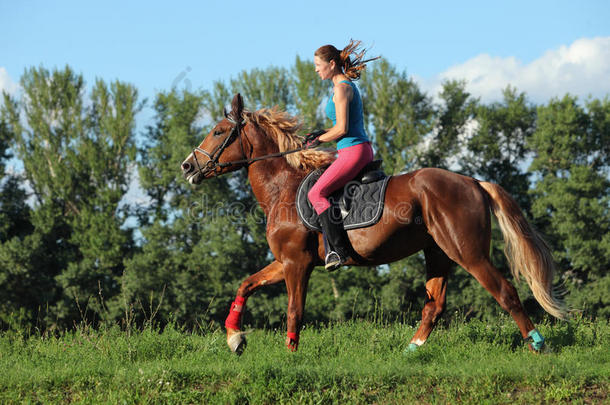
(237, 107)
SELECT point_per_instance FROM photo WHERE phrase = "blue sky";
(150, 44)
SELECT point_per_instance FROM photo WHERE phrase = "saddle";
(360, 202)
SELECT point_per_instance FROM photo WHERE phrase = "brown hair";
(352, 67)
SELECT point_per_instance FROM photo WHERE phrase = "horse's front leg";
(296, 276)
(271, 274)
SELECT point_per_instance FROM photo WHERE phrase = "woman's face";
(324, 69)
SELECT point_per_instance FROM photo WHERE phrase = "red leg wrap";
(293, 342)
(233, 321)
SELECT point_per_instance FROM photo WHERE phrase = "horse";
(445, 214)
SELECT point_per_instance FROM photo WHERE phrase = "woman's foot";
(334, 261)
(338, 253)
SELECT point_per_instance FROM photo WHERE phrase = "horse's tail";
(528, 254)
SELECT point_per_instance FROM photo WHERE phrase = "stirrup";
(333, 261)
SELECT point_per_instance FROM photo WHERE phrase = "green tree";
(497, 149)
(264, 87)
(397, 113)
(16, 285)
(456, 110)
(14, 212)
(67, 254)
(309, 94)
(76, 153)
(571, 200)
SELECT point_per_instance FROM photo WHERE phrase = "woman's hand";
(312, 139)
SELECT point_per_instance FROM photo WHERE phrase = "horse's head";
(221, 151)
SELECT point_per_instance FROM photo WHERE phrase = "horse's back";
(434, 184)
(442, 182)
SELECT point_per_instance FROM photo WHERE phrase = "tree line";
(73, 249)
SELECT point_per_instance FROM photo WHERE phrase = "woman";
(353, 147)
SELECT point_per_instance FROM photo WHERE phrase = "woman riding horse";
(353, 147)
(445, 214)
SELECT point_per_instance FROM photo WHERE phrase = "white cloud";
(6, 83)
(581, 69)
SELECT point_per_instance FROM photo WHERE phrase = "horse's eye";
(218, 132)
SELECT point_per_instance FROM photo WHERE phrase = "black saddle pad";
(361, 204)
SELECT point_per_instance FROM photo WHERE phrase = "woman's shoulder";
(344, 86)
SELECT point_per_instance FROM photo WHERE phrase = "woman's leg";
(347, 165)
(349, 162)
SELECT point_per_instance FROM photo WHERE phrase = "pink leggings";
(349, 162)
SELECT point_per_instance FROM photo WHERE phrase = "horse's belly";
(384, 243)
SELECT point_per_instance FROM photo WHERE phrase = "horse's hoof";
(412, 348)
(236, 341)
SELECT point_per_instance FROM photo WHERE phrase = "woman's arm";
(343, 95)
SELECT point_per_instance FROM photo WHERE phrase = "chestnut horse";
(445, 214)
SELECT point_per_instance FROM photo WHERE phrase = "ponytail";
(352, 59)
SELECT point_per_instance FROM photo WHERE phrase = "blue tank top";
(355, 132)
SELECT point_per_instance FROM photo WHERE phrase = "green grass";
(353, 362)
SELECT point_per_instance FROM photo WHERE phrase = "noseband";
(213, 165)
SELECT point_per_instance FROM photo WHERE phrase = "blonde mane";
(282, 128)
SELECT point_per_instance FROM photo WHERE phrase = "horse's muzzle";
(190, 172)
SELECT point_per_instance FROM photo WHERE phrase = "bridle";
(213, 165)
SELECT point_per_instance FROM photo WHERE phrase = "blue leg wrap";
(412, 347)
(537, 341)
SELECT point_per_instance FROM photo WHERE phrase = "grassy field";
(353, 362)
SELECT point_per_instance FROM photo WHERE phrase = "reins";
(256, 159)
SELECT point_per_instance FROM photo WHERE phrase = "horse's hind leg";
(503, 292)
(438, 266)
(477, 263)
(461, 227)
(271, 274)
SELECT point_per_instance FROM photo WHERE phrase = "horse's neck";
(273, 180)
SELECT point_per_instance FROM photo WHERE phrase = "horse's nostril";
(186, 167)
